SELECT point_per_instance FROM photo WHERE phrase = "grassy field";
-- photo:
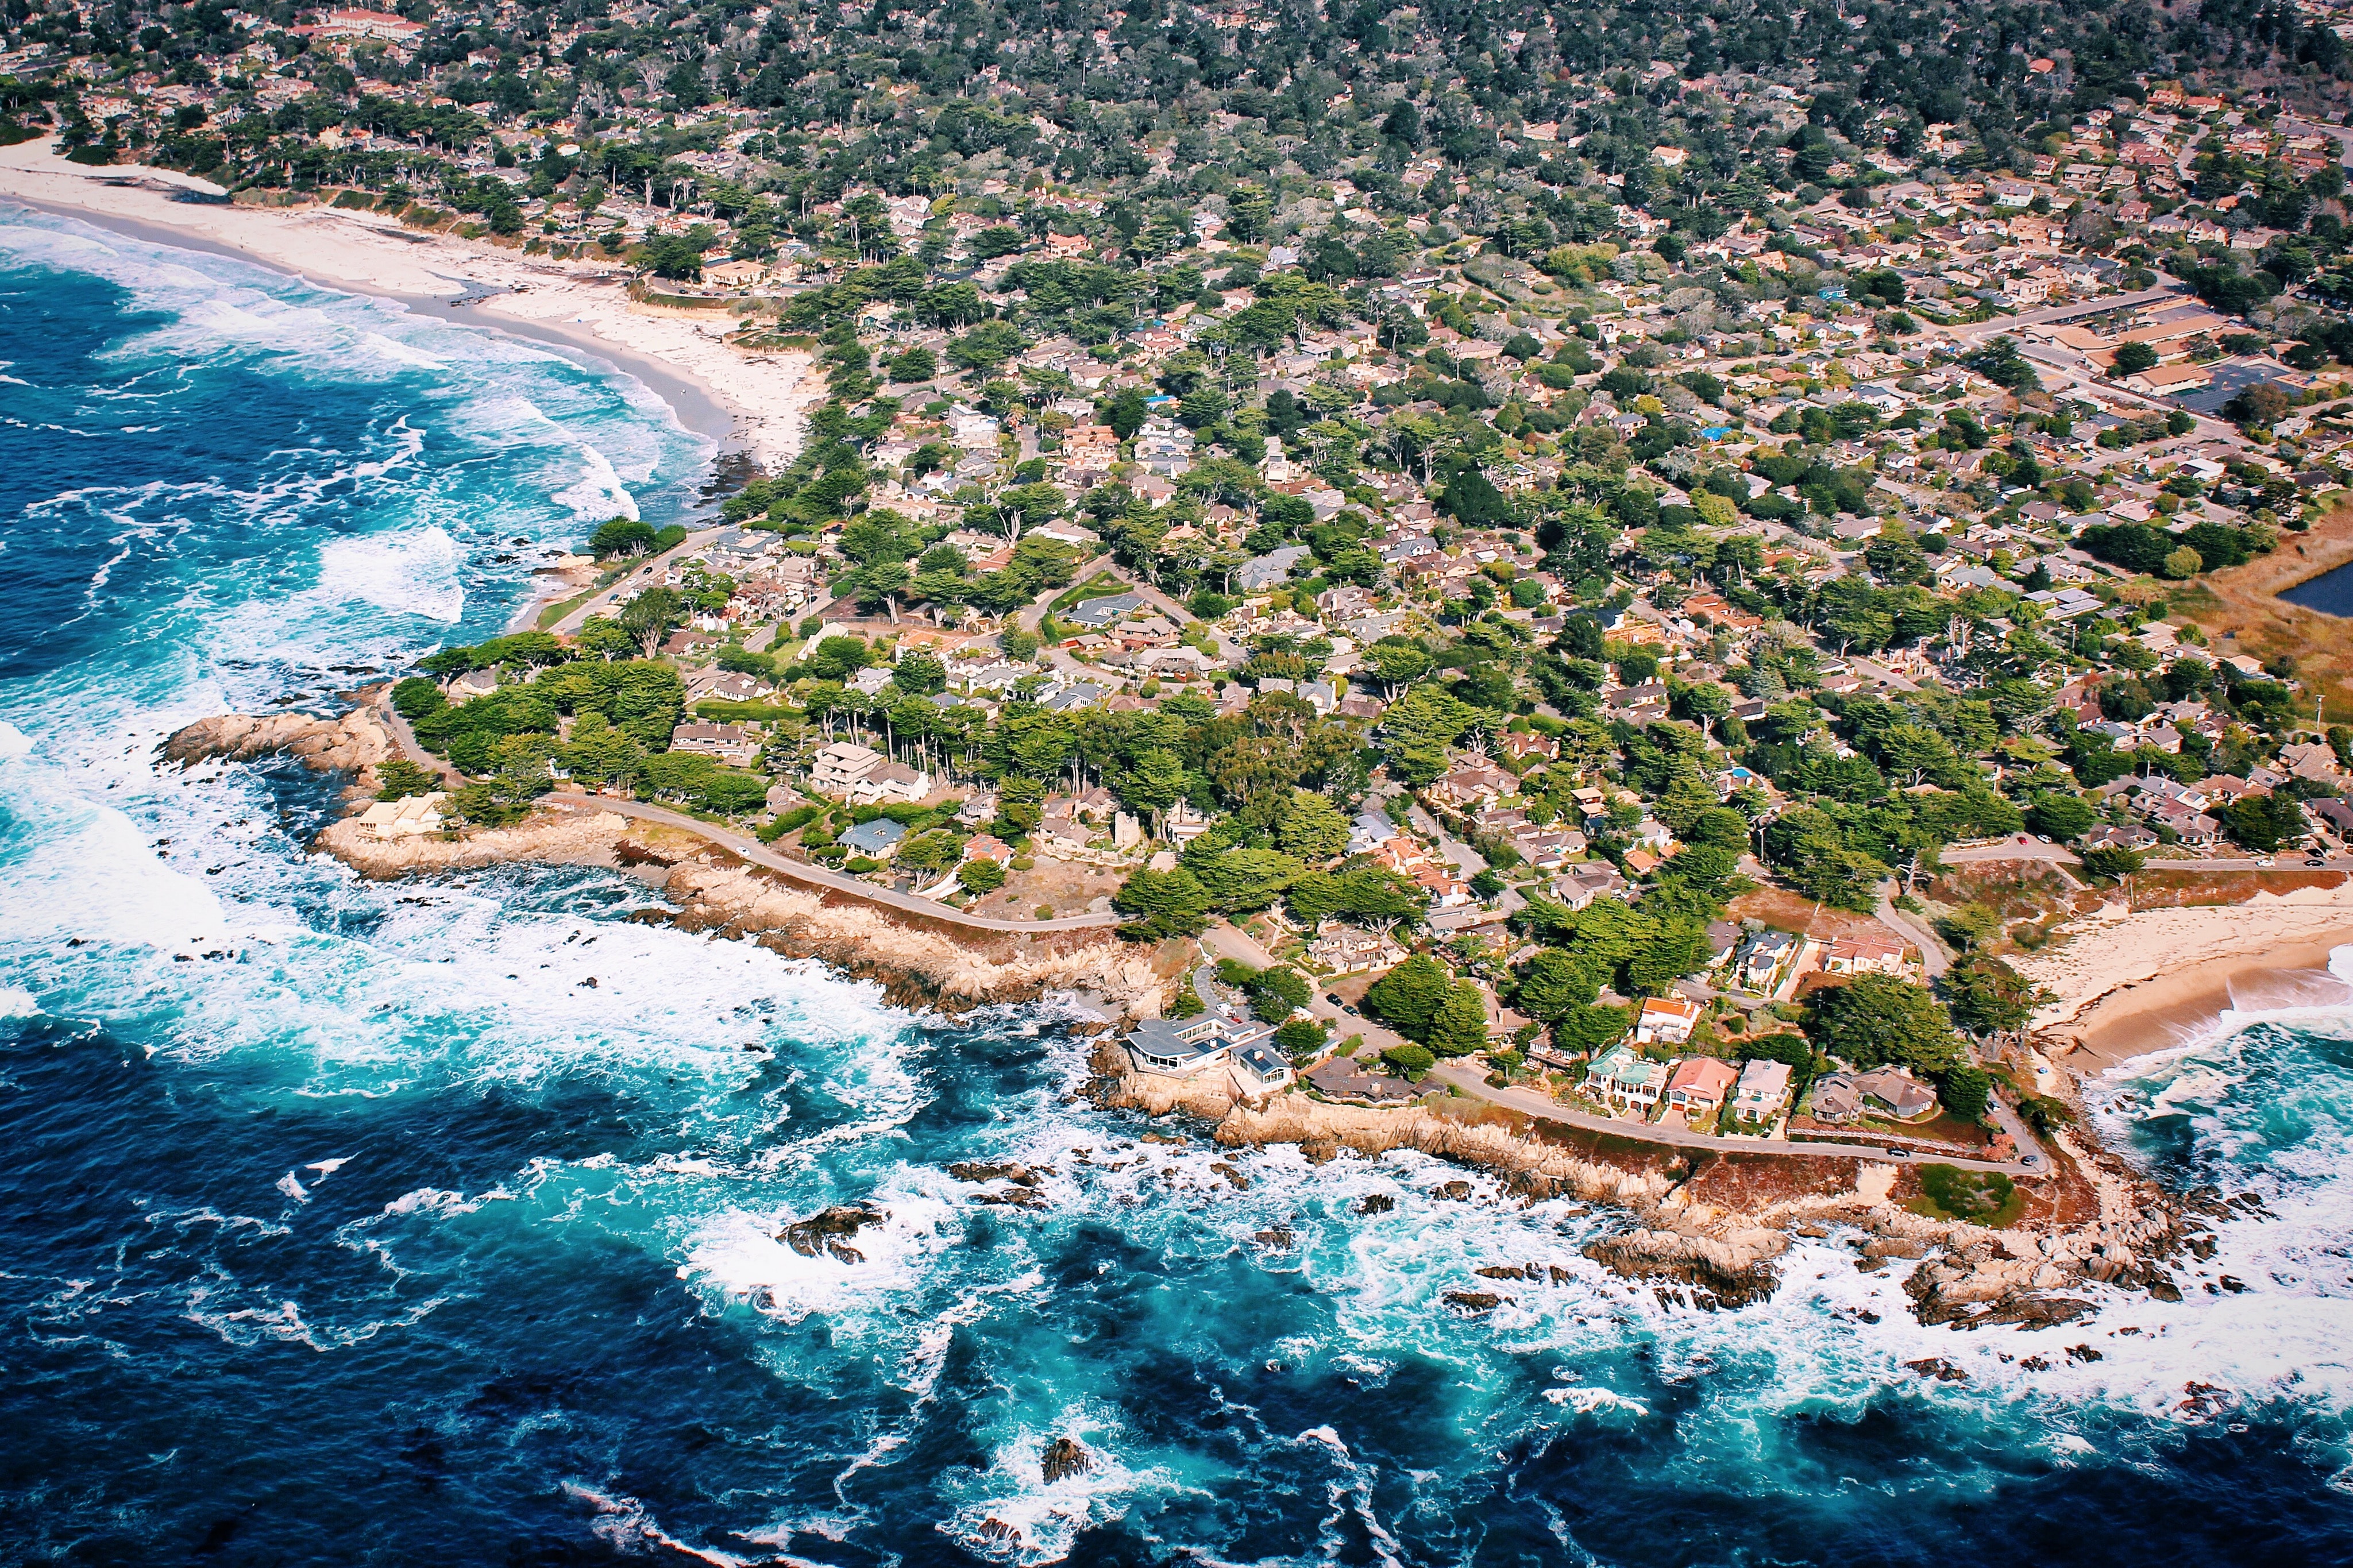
(2240, 612)
(1982, 1197)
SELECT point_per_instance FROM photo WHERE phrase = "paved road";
(1915, 932)
(405, 738)
(1977, 331)
(636, 576)
(1472, 1080)
(818, 876)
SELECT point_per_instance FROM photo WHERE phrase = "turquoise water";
(345, 1223)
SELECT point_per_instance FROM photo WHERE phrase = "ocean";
(345, 1223)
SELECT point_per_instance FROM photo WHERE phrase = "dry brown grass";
(1784, 911)
(1059, 884)
(2240, 611)
(2160, 889)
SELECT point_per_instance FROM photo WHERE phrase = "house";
(2109, 836)
(1766, 953)
(1474, 784)
(1897, 1091)
(1175, 1048)
(472, 684)
(1762, 1088)
(1625, 1080)
(862, 776)
(1344, 950)
(1665, 1019)
(1267, 570)
(1835, 1097)
(410, 816)
(1698, 1085)
(1095, 615)
(1865, 954)
(876, 840)
(730, 743)
(1184, 1047)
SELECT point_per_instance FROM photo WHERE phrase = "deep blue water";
(2331, 593)
(344, 1223)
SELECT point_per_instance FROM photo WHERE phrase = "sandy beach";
(2126, 985)
(749, 402)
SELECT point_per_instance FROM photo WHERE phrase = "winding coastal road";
(759, 854)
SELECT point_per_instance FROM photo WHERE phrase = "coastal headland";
(1706, 1229)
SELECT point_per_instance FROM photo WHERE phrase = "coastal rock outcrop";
(830, 1231)
(590, 839)
(929, 964)
(355, 743)
(1063, 1457)
(1728, 1272)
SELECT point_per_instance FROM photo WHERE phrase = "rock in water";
(1375, 1203)
(829, 1231)
(1064, 1457)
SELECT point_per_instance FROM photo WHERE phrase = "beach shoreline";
(2138, 983)
(741, 403)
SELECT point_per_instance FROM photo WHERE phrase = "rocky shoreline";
(1701, 1236)
(918, 962)
(1706, 1231)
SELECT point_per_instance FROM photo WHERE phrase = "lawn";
(555, 612)
(1101, 585)
(1980, 1197)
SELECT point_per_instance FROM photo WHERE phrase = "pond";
(2331, 593)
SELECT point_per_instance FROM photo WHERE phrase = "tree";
(1965, 1089)
(623, 536)
(400, 778)
(1987, 997)
(980, 876)
(2061, 816)
(1459, 1026)
(2263, 823)
(1311, 827)
(1300, 1040)
(1162, 904)
(1408, 997)
(2110, 864)
(1276, 993)
(2133, 358)
(1878, 1018)
(649, 617)
(1553, 983)
(1409, 1062)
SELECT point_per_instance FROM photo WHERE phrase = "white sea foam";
(400, 353)
(14, 743)
(599, 492)
(630, 1527)
(414, 573)
(15, 1002)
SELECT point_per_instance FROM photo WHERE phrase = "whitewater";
(347, 1222)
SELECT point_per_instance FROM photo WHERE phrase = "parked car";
(1899, 1152)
